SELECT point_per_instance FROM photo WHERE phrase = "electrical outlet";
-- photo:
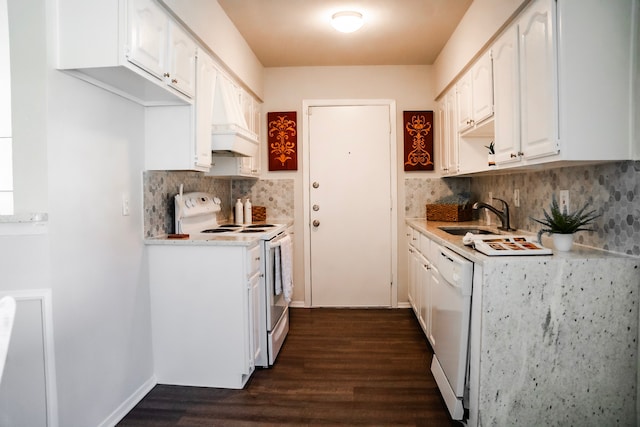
(516, 198)
(564, 200)
(125, 205)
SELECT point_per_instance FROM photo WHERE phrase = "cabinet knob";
(520, 153)
(174, 81)
(166, 75)
(513, 155)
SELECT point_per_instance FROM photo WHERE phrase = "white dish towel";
(286, 259)
(277, 267)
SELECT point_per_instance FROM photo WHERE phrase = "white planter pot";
(563, 242)
(491, 159)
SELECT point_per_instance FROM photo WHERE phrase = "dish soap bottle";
(238, 212)
(247, 212)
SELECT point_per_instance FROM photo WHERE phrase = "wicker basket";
(258, 213)
(448, 212)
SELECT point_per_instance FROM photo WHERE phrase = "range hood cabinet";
(230, 134)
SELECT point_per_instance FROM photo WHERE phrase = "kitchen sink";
(461, 231)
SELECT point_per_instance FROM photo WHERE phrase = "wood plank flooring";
(337, 367)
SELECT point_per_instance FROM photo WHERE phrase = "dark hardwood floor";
(337, 367)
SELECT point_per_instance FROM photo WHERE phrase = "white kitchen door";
(350, 205)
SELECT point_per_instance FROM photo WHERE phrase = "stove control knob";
(316, 184)
(316, 223)
(316, 208)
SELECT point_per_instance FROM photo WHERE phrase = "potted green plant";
(562, 225)
(492, 154)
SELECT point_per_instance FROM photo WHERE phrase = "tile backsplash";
(420, 191)
(613, 189)
(160, 187)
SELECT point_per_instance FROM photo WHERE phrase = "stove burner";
(260, 225)
(218, 230)
(253, 230)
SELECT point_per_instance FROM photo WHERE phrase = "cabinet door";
(464, 92)
(507, 100)
(425, 289)
(434, 283)
(442, 149)
(148, 26)
(452, 133)
(538, 80)
(412, 269)
(482, 89)
(182, 61)
(258, 352)
(205, 82)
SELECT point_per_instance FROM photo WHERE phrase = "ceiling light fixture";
(347, 22)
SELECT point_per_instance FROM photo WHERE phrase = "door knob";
(316, 223)
(316, 208)
(316, 184)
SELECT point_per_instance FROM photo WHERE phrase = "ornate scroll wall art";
(418, 140)
(282, 141)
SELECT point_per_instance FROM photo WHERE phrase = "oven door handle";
(275, 242)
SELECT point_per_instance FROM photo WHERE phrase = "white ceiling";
(290, 33)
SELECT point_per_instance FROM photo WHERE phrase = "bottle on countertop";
(247, 212)
(238, 212)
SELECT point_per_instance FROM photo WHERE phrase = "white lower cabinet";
(204, 319)
(420, 277)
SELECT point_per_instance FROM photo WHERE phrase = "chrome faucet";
(503, 215)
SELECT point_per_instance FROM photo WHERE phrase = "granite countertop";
(24, 218)
(218, 239)
(453, 242)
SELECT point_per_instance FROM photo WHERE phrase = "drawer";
(254, 259)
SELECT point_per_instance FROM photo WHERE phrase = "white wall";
(285, 88)
(83, 150)
(479, 24)
(28, 87)
(212, 25)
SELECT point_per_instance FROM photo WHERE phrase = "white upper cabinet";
(475, 95)
(178, 137)
(181, 73)
(446, 150)
(129, 47)
(147, 29)
(563, 91)
(538, 109)
(464, 100)
(482, 88)
(205, 83)
(506, 97)
(452, 139)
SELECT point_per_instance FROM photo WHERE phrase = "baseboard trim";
(404, 305)
(126, 406)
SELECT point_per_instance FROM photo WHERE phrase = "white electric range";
(195, 215)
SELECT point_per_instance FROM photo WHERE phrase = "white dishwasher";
(450, 316)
